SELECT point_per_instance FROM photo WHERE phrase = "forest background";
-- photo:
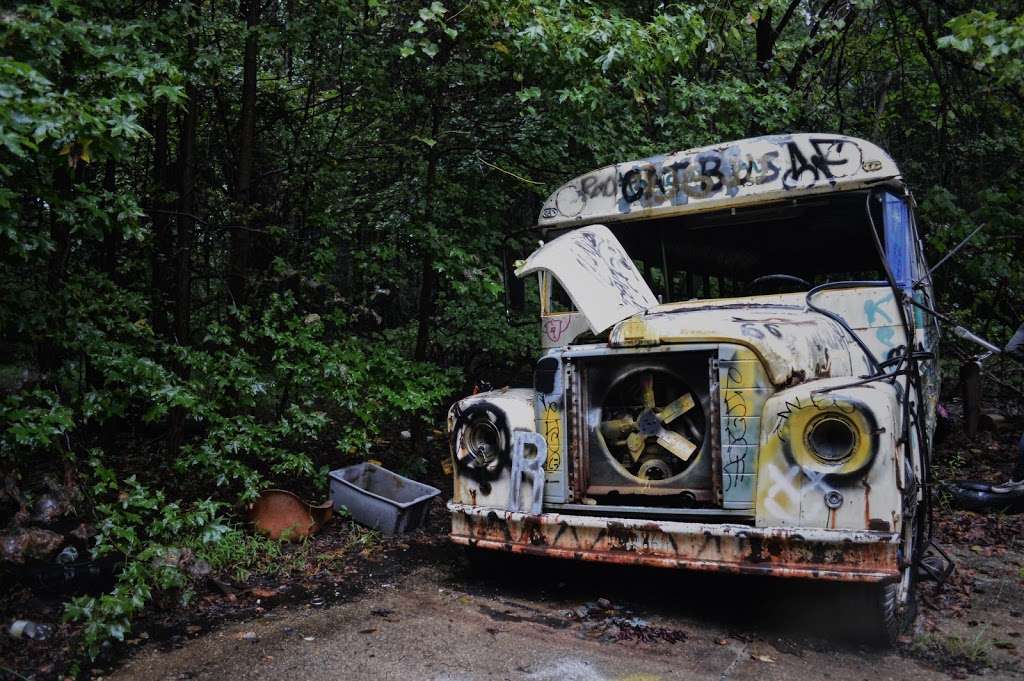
(244, 243)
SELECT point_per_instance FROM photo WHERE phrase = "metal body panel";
(791, 492)
(596, 272)
(515, 406)
(743, 386)
(730, 175)
(551, 423)
(649, 511)
(840, 555)
(793, 343)
(558, 329)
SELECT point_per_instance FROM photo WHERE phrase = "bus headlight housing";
(837, 439)
(831, 438)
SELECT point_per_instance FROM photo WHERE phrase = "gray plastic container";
(380, 499)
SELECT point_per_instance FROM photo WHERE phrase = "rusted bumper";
(810, 553)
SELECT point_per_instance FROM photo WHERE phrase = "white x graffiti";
(784, 484)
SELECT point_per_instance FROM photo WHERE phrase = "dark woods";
(242, 242)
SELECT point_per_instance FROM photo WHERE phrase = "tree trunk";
(112, 237)
(241, 240)
(49, 354)
(163, 236)
(185, 209)
(765, 34)
(428, 277)
(161, 277)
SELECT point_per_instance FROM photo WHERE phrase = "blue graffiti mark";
(886, 336)
(873, 309)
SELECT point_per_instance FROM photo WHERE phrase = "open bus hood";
(594, 269)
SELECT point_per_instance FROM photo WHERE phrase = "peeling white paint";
(729, 175)
(596, 272)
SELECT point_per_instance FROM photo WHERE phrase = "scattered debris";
(280, 514)
(199, 569)
(380, 499)
(30, 544)
(29, 629)
(48, 508)
(93, 575)
(993, 422)
(604, 621)
(983, 497)
(224, 587)
(69, 554)
(84, 532)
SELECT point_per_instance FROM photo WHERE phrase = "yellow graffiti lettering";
(552, 420)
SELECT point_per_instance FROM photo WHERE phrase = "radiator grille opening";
(648, 438)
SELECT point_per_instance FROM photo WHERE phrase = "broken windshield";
(722, 254)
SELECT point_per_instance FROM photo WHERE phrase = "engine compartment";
(647, 435)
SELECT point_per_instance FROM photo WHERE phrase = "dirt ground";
(530, 619)
(359, 607)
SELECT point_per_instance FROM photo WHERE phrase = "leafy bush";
(262, 398)
(140, 524)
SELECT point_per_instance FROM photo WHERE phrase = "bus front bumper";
(808, 553)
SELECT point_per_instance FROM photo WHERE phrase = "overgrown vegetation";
(972, 652)
(243, 243)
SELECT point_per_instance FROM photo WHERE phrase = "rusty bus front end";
(775, 419)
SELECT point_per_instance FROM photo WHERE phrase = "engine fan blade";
(636, 443)
(676, 443)
(613, 429)
(676, 408)
(648, 386)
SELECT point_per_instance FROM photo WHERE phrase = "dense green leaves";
(241, 243)
(73, 84)
(995, 44)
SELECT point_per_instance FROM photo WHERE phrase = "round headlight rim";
(827, 420)
(864, 421)
(472, 439)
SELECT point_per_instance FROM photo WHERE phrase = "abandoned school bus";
(738, 375)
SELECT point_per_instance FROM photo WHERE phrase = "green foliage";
(994, 44)
(204, 302)
(73, 85)
(35, 421)
(142, 525)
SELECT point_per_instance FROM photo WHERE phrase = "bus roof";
(730, 175)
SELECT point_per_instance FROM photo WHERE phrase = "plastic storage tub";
(380, 499)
